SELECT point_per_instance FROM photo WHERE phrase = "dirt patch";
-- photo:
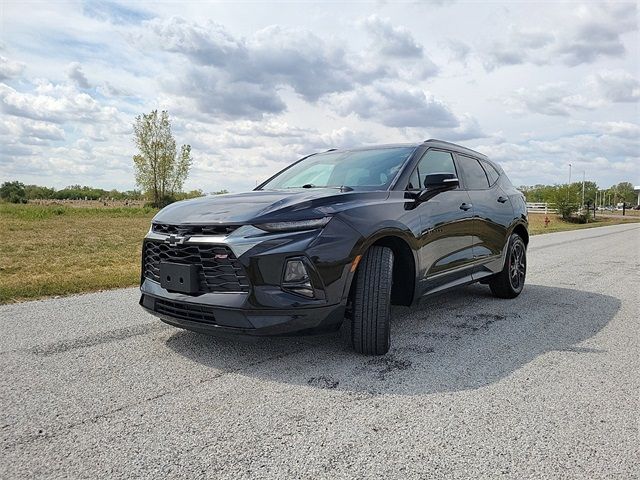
(327, 383)
(389, 364)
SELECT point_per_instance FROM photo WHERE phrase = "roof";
(453, 146)
(431, 142)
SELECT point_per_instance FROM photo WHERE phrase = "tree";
(564, 200)
(13, 192)
(36, 191)
(160, 170)
(624, 192)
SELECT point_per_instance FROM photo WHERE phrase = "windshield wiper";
(343, 188)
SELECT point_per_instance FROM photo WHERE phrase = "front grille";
(188, 230)
(221, 271)
(186, 311)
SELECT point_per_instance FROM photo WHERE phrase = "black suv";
(337, 236)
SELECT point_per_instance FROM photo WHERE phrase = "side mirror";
(437, 183)
(440, 181)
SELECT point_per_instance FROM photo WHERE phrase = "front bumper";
(204, 318)
(265, 307)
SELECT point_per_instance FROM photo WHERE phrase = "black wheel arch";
(404, 265)
(522, 229)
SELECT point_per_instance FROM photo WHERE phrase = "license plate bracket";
(179, 277)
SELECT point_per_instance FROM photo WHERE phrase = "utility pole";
(583, 188)
(569, 185)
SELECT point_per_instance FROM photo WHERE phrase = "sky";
(253, 86)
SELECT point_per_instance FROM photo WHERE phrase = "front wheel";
(510, 281)
(372, 302)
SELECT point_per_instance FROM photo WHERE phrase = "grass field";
(556, 224)
(628, 212)
(58, 250)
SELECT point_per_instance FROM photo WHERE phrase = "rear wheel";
(510, 281)
(372, 302)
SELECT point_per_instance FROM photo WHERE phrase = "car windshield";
(372, 169)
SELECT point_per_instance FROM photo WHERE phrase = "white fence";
(541, 207)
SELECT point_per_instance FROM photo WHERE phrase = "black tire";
(510, 281)
(372, 302)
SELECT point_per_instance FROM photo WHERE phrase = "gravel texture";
(543, 386)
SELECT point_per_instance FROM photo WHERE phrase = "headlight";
(294, 226)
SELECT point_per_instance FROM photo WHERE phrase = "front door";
(446, 252)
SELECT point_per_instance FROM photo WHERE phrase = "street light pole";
(583, 173)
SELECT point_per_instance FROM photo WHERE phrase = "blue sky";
(253, 86)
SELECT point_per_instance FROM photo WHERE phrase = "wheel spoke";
(517, 266)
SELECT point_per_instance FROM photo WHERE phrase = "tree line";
(18, 192)
(622, 192)
(569, 199)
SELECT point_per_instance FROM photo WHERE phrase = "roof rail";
(454, 145)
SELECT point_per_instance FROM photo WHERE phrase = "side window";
(491, 171)
(414, 181)
(474, 175)
(433, 161)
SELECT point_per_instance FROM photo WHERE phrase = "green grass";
(628, 213)
(557, 224)
(60, 250)
(57, 250)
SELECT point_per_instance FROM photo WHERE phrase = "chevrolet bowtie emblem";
(174, 240)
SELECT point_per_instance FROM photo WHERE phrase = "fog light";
(296, 278)
(295, 272)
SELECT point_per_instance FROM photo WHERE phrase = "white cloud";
(617, 85)
(618, 129)
(522, 45)
(10, 68)
(551, 99)
(596, 32)
(77, 76)
(390, 40)
(607, 152)
(395, 105)
(29, 131)
(234, 77)
(53, 103)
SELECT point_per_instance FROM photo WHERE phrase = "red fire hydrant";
(546, 221)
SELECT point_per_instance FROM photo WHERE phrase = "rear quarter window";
(491, 172)
(475, 178)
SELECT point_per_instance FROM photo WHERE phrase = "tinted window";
(491, 171)
(432, 162)
(414, 181)
(374, 168)
(474, 175)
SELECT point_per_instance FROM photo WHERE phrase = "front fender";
(388, 235)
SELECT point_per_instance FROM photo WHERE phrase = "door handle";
(502, 199)
(466, 206)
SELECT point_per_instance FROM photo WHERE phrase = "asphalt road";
(544, 386)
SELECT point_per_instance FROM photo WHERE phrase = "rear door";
(491, 206)
(446, 251)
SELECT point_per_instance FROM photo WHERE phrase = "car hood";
(264, 206)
